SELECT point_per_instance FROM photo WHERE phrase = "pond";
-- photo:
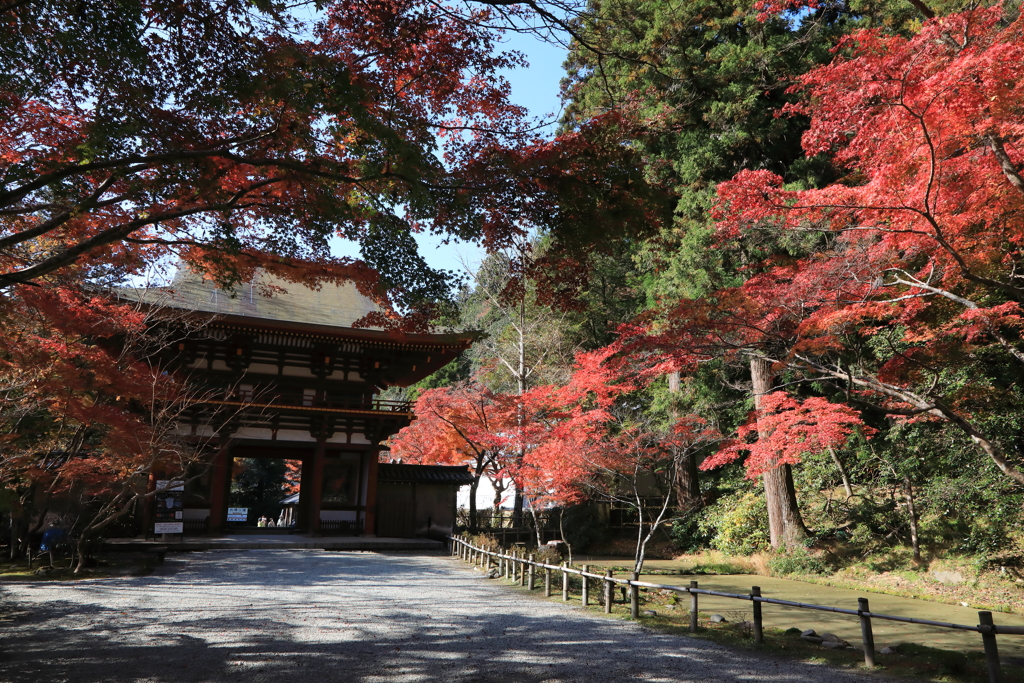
(845, 626)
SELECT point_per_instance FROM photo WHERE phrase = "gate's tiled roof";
(332, 304)
(423, 474)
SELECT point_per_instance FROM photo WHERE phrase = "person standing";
(52, 538)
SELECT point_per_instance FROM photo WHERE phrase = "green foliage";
(259, 484)
(719, 568)
(798, 561)
(737, 523)
(584, 526)
(688, 534)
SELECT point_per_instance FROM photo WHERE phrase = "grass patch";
(713, 568)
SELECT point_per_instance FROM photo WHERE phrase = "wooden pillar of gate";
(316, 486)
(220, 485)
(370, 516)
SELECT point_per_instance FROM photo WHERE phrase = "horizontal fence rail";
(517, 567)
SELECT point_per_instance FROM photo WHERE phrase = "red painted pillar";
(220, 483)
(316, 486)
(370, 517)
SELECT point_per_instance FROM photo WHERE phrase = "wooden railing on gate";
(519, 566)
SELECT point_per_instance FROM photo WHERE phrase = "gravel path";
(313, 616)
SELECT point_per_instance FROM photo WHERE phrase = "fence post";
(609, 587)
(865, 630)
(693, 607)
(988, 637)
(565, 583)
(532, 571)
(547, 582)
(634, 597)
(487, 563)
(585, 600)
(755, 592)
(522, 569)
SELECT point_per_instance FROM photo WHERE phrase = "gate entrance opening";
(261, 486)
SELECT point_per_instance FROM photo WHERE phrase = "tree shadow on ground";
(360, 618)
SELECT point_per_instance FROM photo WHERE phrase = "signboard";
(238, 514)
(170, 503)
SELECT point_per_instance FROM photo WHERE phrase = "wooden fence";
(518, 566)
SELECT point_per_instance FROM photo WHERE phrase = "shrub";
(796, 562)
(583, 526)
(737, 524)
(688, 536)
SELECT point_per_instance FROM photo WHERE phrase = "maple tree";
(594, 439)
(232, 135)
(913, 279)
(784, 429)
(88, 419)
(461, 424)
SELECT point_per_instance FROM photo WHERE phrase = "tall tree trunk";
(14, 537)
(472, 503)
(686, 482)
(842, 472)
(561, 529)
(908, 492)
(687, 485)
(786, 527)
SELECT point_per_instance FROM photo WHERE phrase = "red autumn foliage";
(790, 429)
(233, 136)
(87, 420)
(917, 246)
(927, 229)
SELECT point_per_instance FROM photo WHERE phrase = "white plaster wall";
(262, 369)
(485, 496)
(294, 435)
(254, 433)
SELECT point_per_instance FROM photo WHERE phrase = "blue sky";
(534, 87)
